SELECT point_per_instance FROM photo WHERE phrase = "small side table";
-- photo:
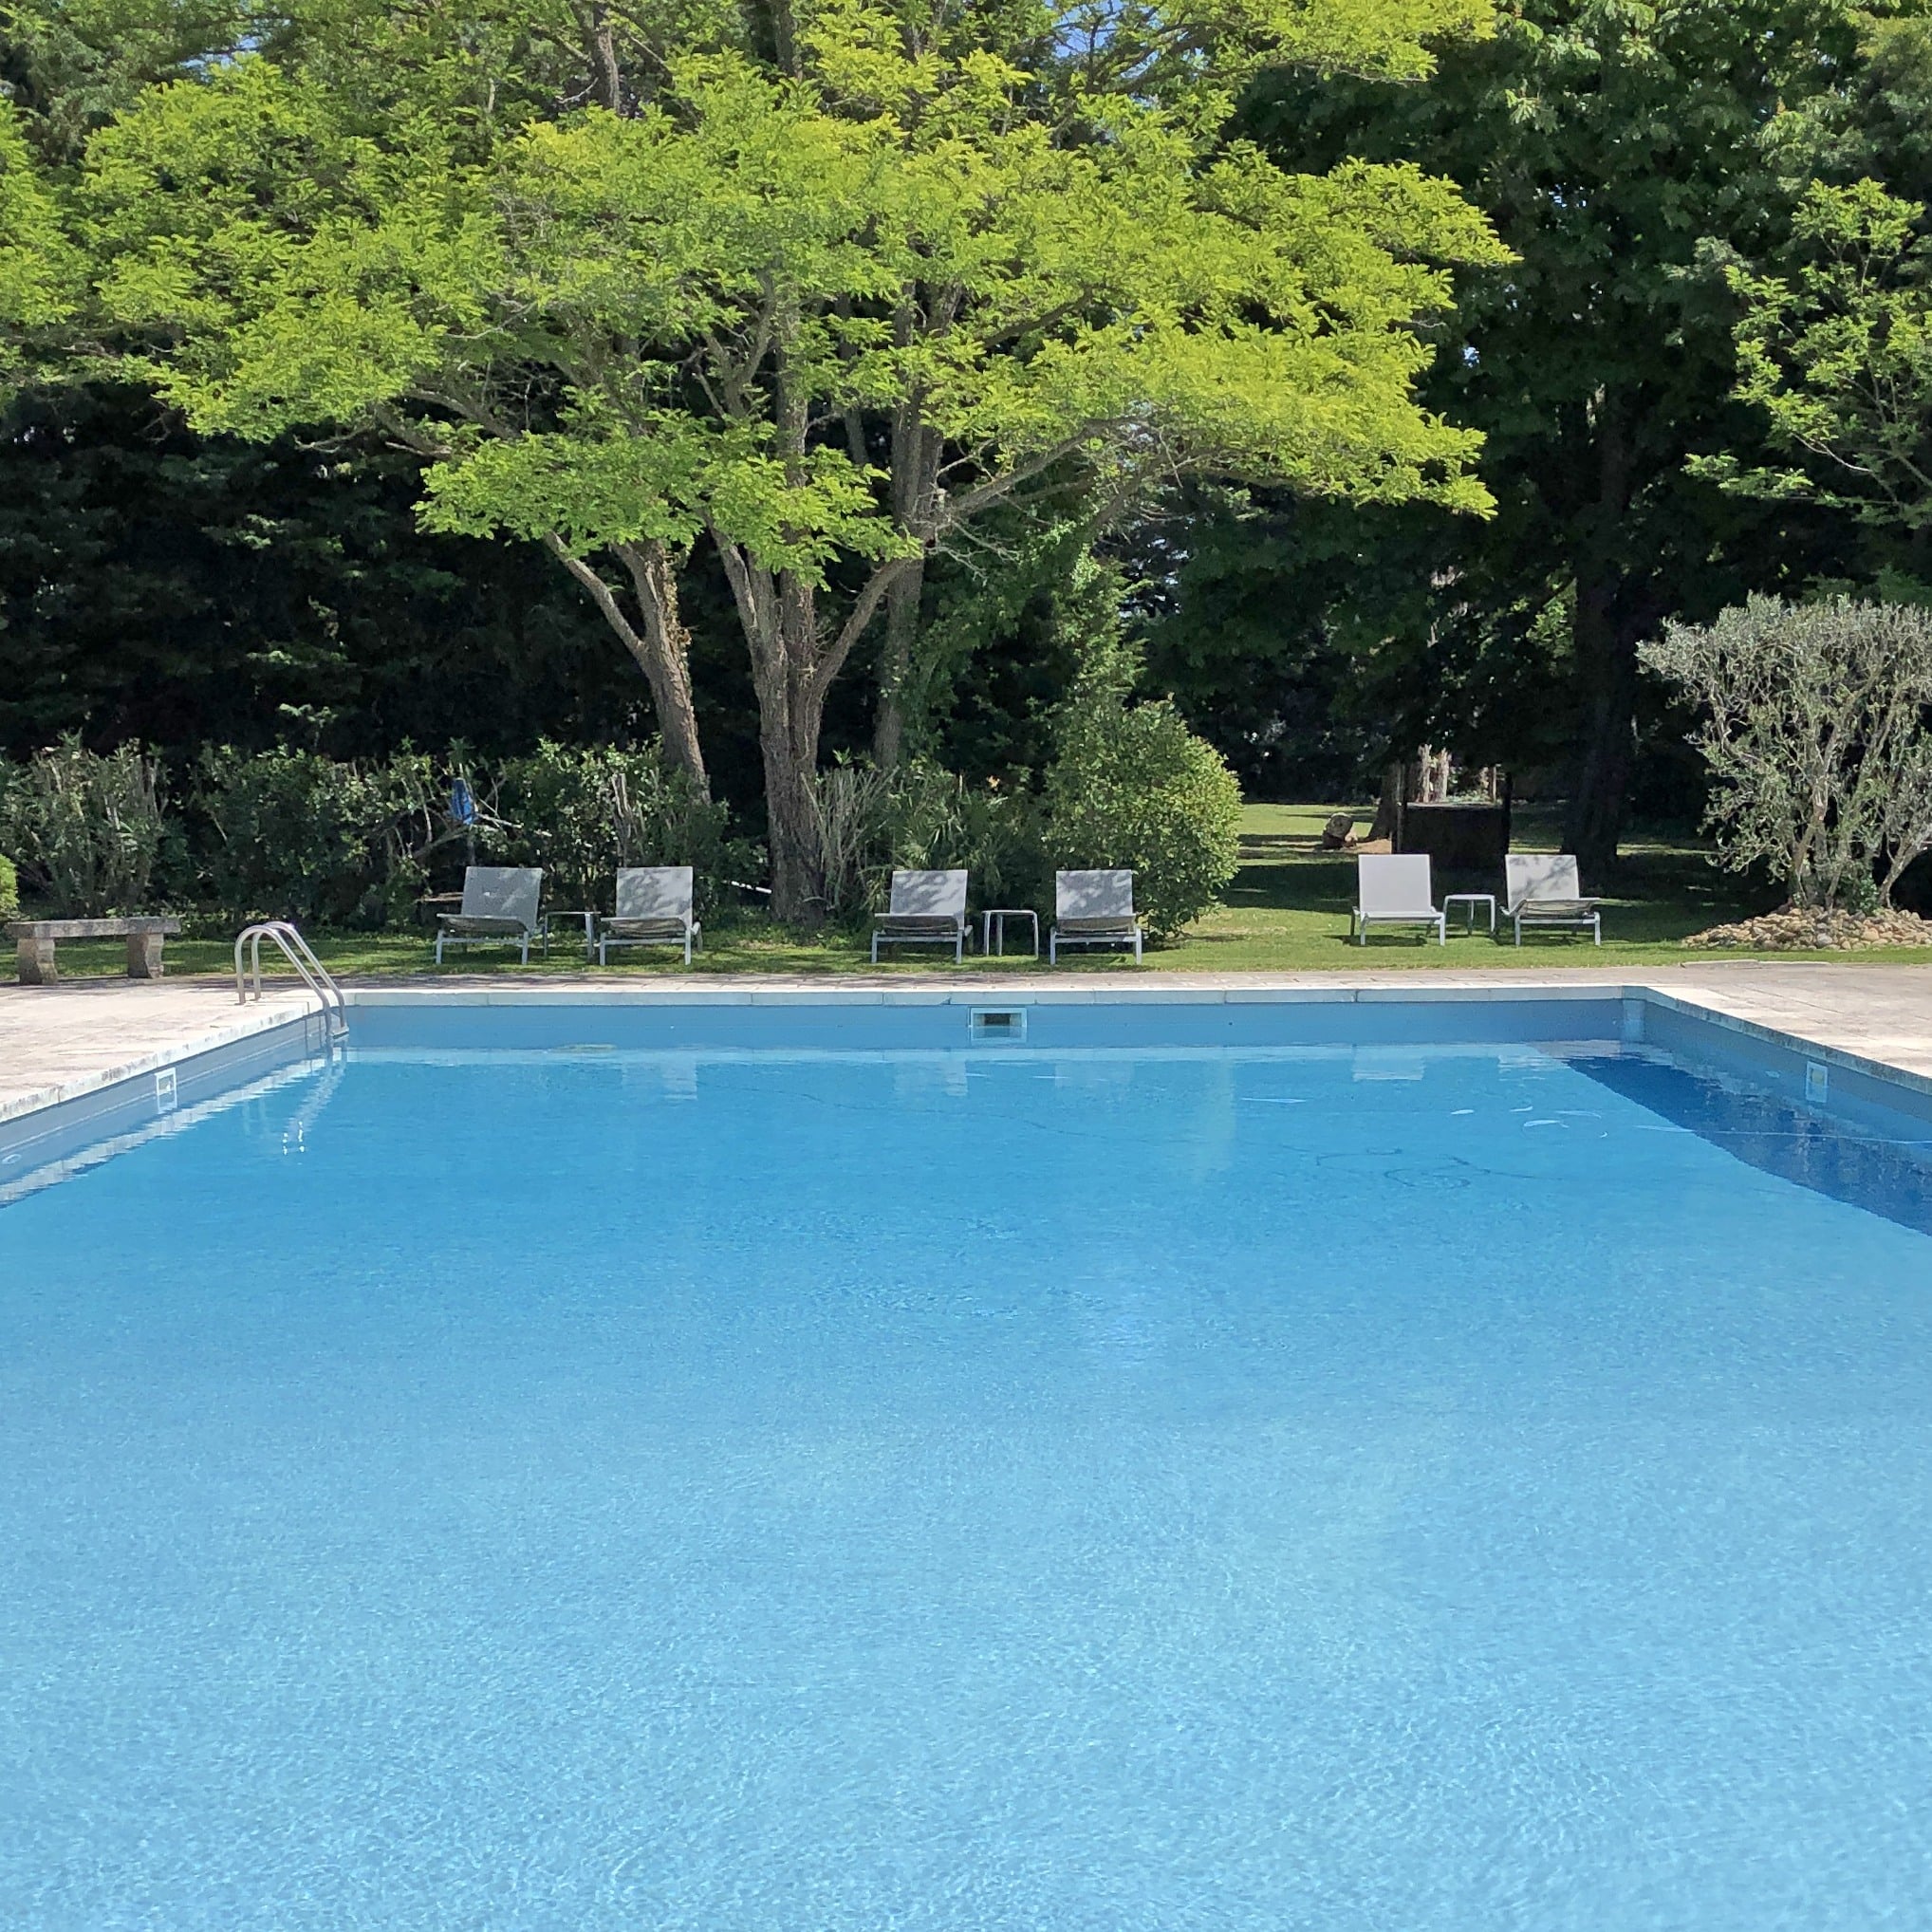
(993, 928)
(575, 912)
(1468, 901)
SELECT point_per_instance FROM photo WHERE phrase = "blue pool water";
(1066, 1493)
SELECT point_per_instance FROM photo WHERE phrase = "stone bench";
(38, 938)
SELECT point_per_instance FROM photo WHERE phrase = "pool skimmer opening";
(993, 1025)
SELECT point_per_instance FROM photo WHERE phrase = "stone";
(37, 966)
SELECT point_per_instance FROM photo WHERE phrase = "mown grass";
(1286, 911)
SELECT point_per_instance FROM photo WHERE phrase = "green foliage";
(85, 828)
(1614, 146)
(197, 591)
(9, 890)
(922, 818)
(581, 814)
(298, 836)
(1817, 721)
(824, 310)
(1131, 786)
(1838, 355)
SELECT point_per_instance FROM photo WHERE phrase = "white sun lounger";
(652, 909)
(1093, 909)
(499, 909)
(1393, 889)
(927, 910)
(1544, 890)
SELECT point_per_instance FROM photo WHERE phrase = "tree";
(1838, 355)
(1610, 144)
(1834, 341)
(1817, 728)
(38, 270)
(617, 331)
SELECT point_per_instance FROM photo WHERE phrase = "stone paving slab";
(56, 1042)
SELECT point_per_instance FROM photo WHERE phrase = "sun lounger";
(1393, 889)
(652, 909)
(499, 909)
(1544, 890)
(1093, 909)
(925, 909)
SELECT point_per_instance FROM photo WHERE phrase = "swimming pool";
(757, 1481)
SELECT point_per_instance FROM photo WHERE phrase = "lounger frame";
(1395, 889)
(500, 908)
(654, 908)
(924, 909)
(1544, 890)
(1093, 908)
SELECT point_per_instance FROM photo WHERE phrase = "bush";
(922, 818)
(1130, 785)
(9, 890)
(86, 827)
(1815, 733)
(290, 835)
(581, 814)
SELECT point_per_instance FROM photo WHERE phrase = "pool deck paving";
(59, 1042)
(62, 1041)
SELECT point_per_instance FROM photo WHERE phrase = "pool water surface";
(1087, 1492)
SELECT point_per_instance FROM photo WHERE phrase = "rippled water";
(1411, 1488)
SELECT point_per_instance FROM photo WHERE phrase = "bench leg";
(144, 955)
(37, 964)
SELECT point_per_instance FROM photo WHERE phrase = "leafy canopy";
(642, 324)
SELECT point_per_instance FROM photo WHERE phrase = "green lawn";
(1286, 911)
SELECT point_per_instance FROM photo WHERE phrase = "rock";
(1790, 929)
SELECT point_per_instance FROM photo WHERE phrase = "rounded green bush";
(9, 890)
(1133, 786)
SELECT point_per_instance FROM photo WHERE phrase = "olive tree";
(1818, 730)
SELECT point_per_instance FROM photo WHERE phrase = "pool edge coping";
(246, 1023)
(96, 1090)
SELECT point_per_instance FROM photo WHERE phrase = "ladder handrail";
(299, 953)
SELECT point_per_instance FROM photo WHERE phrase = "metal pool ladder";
(296, 950)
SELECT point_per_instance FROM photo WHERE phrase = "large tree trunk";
(917, 452)
(660, 642)
(1605, 644)
(1603, 635)
(1388, 806)
(895, 667)
(793, 666)
(792, 669)
(654, 575)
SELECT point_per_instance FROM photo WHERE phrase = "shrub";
(581, 814)
(86, 826)
(9, 890)
(1130, 785)
(924, 818)
(1815, 733)
(290, 835)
